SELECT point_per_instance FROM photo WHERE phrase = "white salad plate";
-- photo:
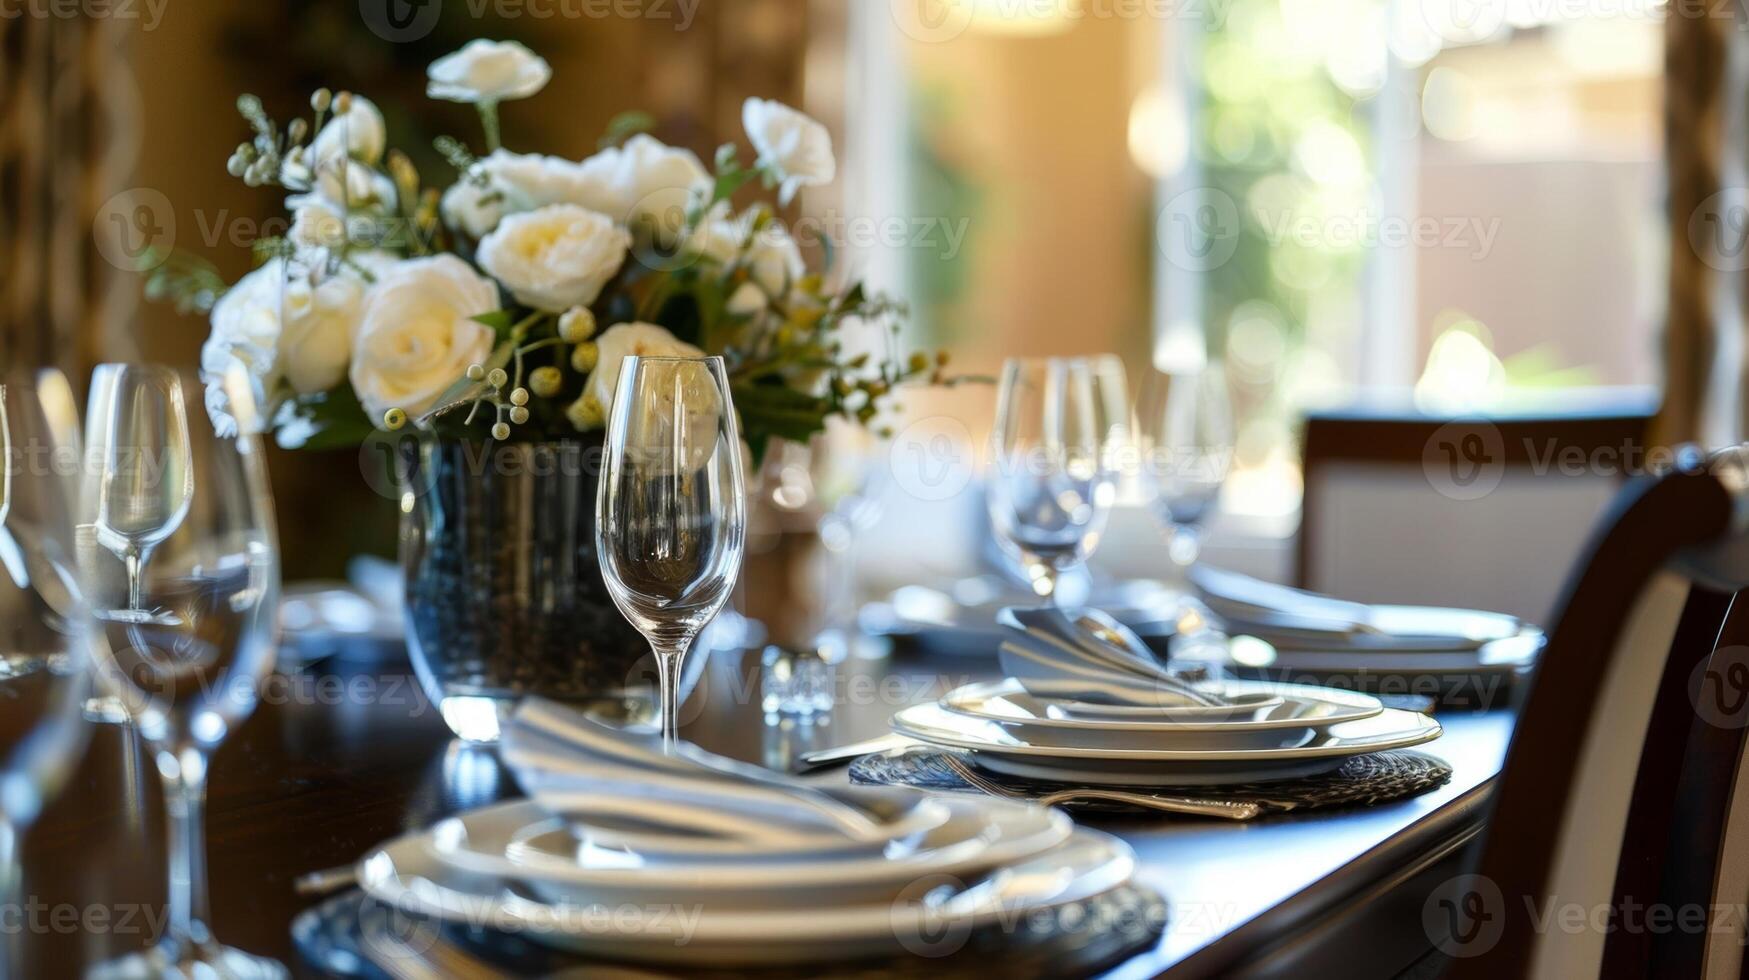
(716, 927)
(559, 861)
(1287, 715)
(998, 749)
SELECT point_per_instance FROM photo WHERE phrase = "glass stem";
(668, 658)
(12, 895)
(184, 774)
(133, 558)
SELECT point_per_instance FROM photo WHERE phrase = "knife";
(826, 758)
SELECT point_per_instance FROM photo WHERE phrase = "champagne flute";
(139, 433)
(45, 628)
(1060, 424)
(1186, 436)
(191, 671)
(671, 513)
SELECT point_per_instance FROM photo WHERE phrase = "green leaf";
(624, 126)
(770, 411)
(498, 320)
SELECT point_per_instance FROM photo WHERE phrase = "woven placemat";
(1361, 781)
(352, 935)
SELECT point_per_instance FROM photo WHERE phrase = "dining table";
(342, 755)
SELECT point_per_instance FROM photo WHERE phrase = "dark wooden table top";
(339, 761)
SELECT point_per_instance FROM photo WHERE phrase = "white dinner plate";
(1001, 750)
(721, 929)
(523, 841)
(1297, 715)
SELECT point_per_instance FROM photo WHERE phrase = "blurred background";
(1388, 212)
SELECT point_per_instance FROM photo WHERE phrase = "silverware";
(1223, 809)
(826, 758)
(326, 881)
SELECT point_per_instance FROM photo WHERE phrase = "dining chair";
(1620, 789)
(1504, 500)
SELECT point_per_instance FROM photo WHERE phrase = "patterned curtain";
(68, 135)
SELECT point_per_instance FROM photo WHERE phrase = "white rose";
(318, 224)
(487, 72)
(347, 185)
(473, 209)
(359, 134)
(315, 342)
(720, 235)
(555, 257)
(656, 183)
(774, 261)
(245, 332)
(276, 324)
(617, 343)
(796, 148)
(534, 180)
(417, 336)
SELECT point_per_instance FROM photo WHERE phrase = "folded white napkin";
(1088, 656)
(586, 771)
(1293, 619)
(1241, 597)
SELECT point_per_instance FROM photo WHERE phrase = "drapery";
(67, 142)
(1706, 91)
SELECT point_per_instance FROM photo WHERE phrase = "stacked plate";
(1264, 732)
(736, 868)
(1456, 655)
(1086, 702)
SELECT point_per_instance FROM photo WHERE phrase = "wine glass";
(671, 514)
(1060, 424)
(139, 441)
(190, 670)
(45, 630)
(1186, 435)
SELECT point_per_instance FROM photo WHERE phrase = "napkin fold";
(1088, 656)
(583, 770)
(1234, 596)
(1293, 619)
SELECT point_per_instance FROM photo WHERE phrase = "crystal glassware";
(671, 514)
(1060, 425)
(1186, 437)
(45, 629)
(190, 668)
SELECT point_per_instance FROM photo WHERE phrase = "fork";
(1223, 809)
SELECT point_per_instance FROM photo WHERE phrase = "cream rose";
(555, 257)
(285, 324)
(616, 343)
(774, 261)
(797, 149)
(656, 184)
(487, 72)
(417, 336)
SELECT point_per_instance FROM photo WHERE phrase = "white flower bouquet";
(515, 292)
